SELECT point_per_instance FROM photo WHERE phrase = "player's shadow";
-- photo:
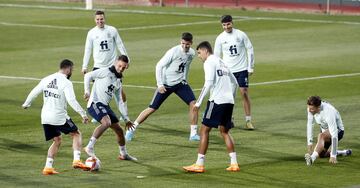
(16, 146)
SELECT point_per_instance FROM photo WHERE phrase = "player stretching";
(222, 84)
(238, 54)
(107, 80)
(332, 131)
(57, 89)
(171, 77)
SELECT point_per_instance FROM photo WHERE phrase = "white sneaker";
(308, 160)
(129, 135)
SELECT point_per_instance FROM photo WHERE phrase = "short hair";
(314, 101)
(123, 58)
(205, 45)
(226, 18)
(187, 36)
(66, 64)
(99, 12)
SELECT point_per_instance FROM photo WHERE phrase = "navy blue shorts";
(340, 136)
(99, 110)
(242, 78)
(52, 131)
(218, 114)
(183, 90)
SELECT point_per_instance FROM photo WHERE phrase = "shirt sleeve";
(87, 51)
(217, 47)
(122, 106)
(309, 129)
(120, 45)
(250, 53)
(330, 119)
(209, 81)
(99, 73)
(33, 94)
(164, 61)
(71, 99)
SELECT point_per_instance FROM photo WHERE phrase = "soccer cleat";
(249, 125)
(90, 151)
(194, 168)
(308, 160)
(79, 164)
(233, 168)
(348, 152)
(129, 135)
(127, 157)
(94, 121)
(195, 137)
(49, 171)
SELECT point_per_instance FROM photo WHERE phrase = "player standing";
(222, 86)
(103, 41)
(107, 81)
(238, 54)
(57, 91)
(332, 131)
(171, 76)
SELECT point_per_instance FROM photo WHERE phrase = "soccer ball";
(94, 163)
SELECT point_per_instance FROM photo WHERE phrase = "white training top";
(57, 90)
(103, 42)
(173, 67)
(104, 86)
(329, 119)
(236, 49)
(220, 80)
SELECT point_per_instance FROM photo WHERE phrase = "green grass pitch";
(287, 47)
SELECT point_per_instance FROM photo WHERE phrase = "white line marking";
(181, 14)
(43, 26)
(254, 84)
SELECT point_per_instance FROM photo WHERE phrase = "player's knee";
(57, 140)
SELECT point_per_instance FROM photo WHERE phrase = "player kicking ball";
(219, 109)
(107, 81)
(332, 131)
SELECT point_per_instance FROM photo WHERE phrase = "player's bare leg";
(99, 130)
(121, 142)
(247, 107)
(229, 141)
(193, 116)
(77, 142)
(52, 151)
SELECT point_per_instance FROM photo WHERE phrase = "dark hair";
(66, 64)
(314, 101)
(226, 18)
(187, 36)
(100, 12)
(123, 58)
(206, 45)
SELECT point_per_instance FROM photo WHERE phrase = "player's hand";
(86, 96)
(310, 149)
(85, 120)
(84, 71)
(251, 73)
(24, 106)
(332, 160)
(129, 125)
(162, 89)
